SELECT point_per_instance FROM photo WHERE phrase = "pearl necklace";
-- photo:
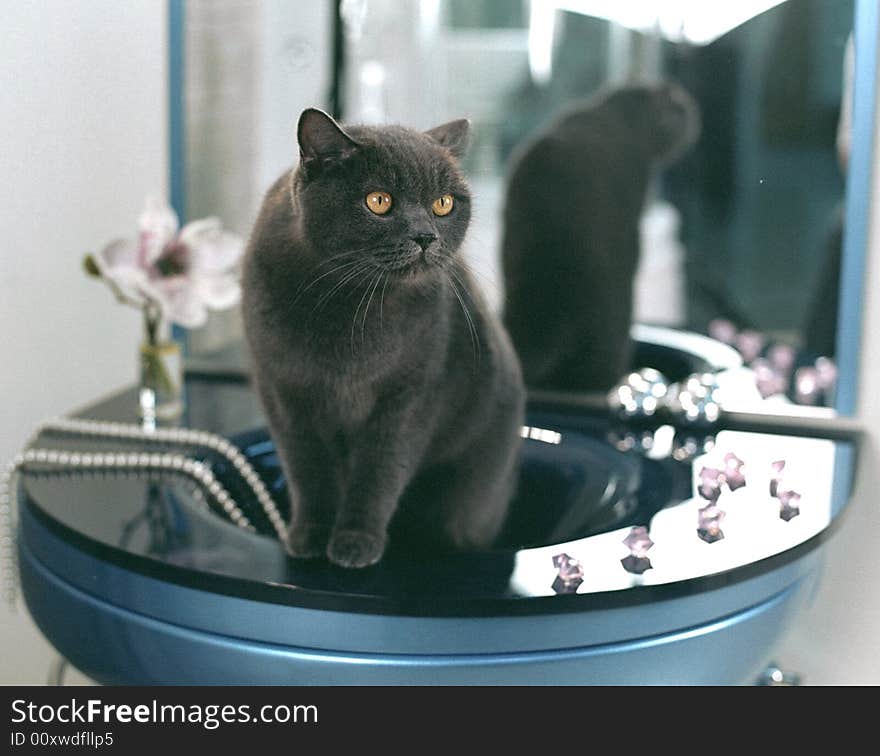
(38, 459)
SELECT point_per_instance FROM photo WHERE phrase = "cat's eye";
(442, 205)
(379, 202)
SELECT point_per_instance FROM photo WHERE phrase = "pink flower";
(183, 273)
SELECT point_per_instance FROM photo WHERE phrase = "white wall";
(293, 74)
(82, 140)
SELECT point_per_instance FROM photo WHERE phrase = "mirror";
(741, 238)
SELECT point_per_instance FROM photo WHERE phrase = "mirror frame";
(866, 26)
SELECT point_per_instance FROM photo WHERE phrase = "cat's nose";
(425, 239)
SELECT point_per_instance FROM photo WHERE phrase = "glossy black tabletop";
(585, 482)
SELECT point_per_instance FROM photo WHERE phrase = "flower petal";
(186, 309)
(158, 226)
(212, 250)
(116, 265)
(118, 253)
(195, 232)
(218, 292)
(158, 217)
(150, 288)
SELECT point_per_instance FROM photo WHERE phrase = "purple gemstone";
(709, 524)
(806, 385)
(711, 481)
(571, 574)
(768, 379)
(636, 565)
(566, 586)
(776, 476)
(722, 330)
(781, 357)
(733, 471)
(788, 505)
(749, 344)
(638, 541)
(826, 373)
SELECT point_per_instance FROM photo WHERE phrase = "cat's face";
(390, 197)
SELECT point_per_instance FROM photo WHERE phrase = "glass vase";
(160, 395)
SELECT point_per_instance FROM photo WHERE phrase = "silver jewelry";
(33, 459)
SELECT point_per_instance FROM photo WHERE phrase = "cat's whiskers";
(303, 288)
(346, 279)
(382, 303)
(344, 266)
(356, 310)
(472, 330)
(367, 308)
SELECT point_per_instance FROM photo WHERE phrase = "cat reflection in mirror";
(570, 246)
(382, 373)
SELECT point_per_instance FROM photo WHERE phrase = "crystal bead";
(733, 471)
(777, 469)
(699, 398)
(806, 386)
(722, 330)
(571, 574)
(826, 373)
(709, 523)
(768, 379)
(782, 357)
(749, 343)
(639, 394)
(638, 541)
(789, 505)
(636, 565)
(710, 483)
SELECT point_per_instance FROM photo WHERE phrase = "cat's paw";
(354, 548)
(306, 542)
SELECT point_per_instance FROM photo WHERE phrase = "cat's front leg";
(310, 471)
(384, 461)
(314, 493)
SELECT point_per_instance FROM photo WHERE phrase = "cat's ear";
(321, 140)
(453, 135)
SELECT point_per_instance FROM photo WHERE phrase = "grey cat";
(570, 246)
(394, 397)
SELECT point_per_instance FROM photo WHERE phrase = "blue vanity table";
(634, 553)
